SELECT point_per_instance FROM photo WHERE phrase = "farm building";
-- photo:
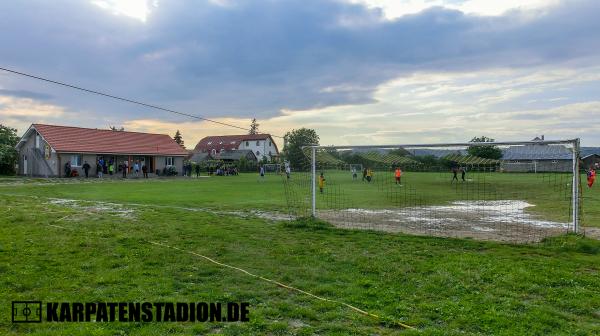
(537, 158)
(590, 157)
(591, 160)
(236, 155)
(44, 150)
(200, 157)
(437, 153)
(261, 145)
(227, 156)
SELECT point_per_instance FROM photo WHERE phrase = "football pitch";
(143, 241)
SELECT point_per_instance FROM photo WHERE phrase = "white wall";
(261, 146)
(177, 162)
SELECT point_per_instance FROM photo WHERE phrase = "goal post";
(575, 184)
(443, 189)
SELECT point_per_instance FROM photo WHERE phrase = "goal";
(273, 168)
(354, 167)
(519, 191)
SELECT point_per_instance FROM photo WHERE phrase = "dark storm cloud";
(256, 57)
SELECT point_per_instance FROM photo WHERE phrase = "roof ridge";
(98, 129)
(235, 135)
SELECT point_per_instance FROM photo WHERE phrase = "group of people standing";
(104, 167)
(108, 167)
(187, 169)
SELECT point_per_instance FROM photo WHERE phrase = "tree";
(428, 161)
(333, 152)
(117, 129)
(399, 152)
(486, 152)
(253, 127)
(293, 143)
(178, 138)
(8, 153)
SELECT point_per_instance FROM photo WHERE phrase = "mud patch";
(271, 216)
(504, 220)
(592, 232)
(125, 211)
(112, 209)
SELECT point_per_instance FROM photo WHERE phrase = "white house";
(262, 145)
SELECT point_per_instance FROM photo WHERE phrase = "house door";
(24, 164)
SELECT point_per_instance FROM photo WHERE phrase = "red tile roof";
(90, 140)
(229, 142)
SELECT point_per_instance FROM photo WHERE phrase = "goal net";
(503, 191)
(354, 168)
(272, 168)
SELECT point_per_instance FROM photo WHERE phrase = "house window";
(169, 161)
(209, 143)
(233, 142)
(220, 142)
(269, 153)
(214, 151)
(269, 143)
(76, 160)
(554, 161)
(257, 153)
(37, 141)
(247, 144)
(258, 142)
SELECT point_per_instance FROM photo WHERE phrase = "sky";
(357, 71)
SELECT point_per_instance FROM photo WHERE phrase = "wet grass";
(550, 193)
(57, 252)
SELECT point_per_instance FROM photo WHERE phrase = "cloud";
(20, 112)
(455, 106)
(394, 9)
(302, 62)
(257, 58)
(25, 94)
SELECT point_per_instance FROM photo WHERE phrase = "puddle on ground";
(504, 220)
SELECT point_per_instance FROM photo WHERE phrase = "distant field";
(549, 193)
(68, 240)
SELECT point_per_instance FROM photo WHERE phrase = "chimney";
(542, 137)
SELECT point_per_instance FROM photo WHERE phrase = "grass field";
(86, 251)
(548, 192)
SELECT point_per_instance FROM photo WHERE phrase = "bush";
(169, 171)
(8, 153)
(247, 166)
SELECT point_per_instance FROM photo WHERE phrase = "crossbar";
(458, 144)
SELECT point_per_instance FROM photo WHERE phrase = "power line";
(125, 99)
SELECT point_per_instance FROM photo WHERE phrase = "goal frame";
(575, 148)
